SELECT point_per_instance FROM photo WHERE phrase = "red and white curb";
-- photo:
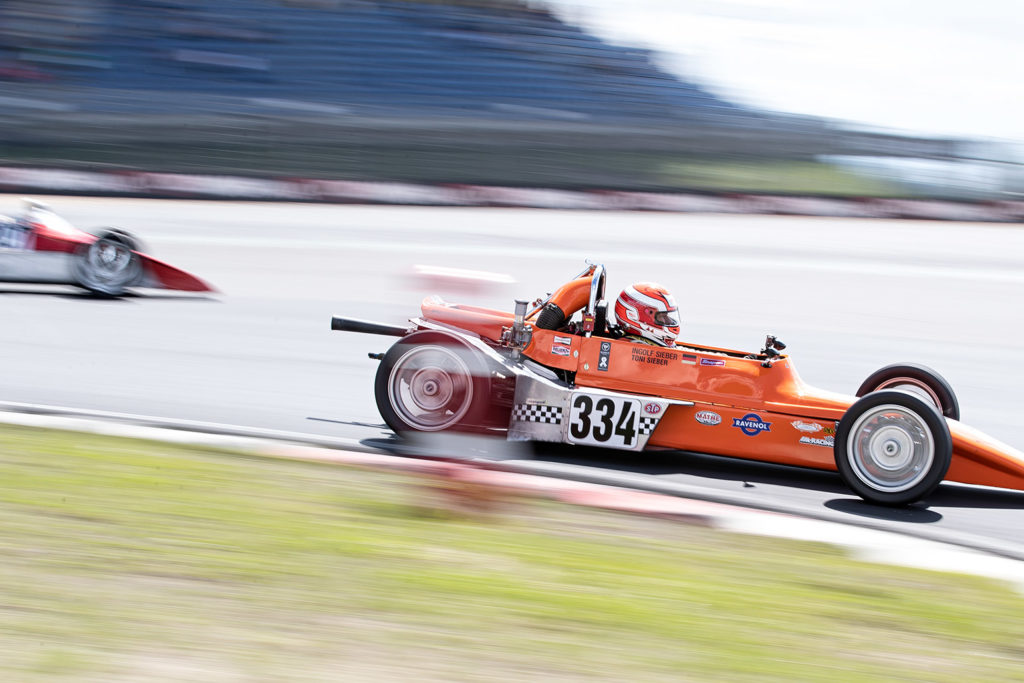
(871, 545)
(187, 186)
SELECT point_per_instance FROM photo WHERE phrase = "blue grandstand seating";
(385, 55)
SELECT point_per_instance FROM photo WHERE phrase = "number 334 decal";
(609, 421)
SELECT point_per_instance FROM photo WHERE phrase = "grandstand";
(479, 58)
(485, 91)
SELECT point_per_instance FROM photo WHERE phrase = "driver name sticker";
(652, 355)
(608, 421)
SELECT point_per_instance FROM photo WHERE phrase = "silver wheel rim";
(912, 386)
(431, 388)
(890, 448)
(108, 265)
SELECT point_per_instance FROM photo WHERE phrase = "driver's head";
(647, 310)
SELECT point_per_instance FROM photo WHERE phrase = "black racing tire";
(432, 382)
(108, 266)
(893, 447)
(917, 379)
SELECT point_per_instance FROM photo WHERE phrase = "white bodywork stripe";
(21, 265)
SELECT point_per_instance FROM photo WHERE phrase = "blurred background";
(741, 96)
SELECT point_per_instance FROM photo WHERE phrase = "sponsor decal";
(751, 424)
(831, 431)
(560, 350)
(706, 417)
(603, 356)
(689, 359)
(809, 427)
(652, 355)
(711, 361)
(829, 441)
(652, 408)
(563, 340)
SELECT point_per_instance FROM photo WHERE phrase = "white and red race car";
(39, 246)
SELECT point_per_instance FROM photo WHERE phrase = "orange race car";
(557, 371)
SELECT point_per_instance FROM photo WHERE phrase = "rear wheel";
(893, 448)
(431, 382)
(917, 379)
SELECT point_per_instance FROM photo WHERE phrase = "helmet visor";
(667, 318)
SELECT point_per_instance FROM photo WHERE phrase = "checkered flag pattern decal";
(647, 425)
(529, 413)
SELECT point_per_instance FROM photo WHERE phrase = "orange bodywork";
(740, 407)
(572, 296)
(485, 322)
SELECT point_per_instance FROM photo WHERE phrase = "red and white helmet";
(647, 310)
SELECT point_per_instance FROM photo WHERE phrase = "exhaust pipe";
(355, 325)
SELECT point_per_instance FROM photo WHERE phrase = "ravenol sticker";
(602, 357)
(560, 350)
(711, 361)
(809, 427)
(563, 340)
(829, 441)
(751, 424)
(689, 359)
(706, 417)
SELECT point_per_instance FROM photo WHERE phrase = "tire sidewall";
(936, 424)
(950, 407)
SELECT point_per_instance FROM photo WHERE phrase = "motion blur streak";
(195, 565)
(485, 92)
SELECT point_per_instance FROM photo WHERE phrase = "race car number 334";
(608, 421)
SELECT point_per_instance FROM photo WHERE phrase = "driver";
(647, 314)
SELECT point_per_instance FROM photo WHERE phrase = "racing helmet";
(647, 310)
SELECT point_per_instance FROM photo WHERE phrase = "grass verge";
(131, 560)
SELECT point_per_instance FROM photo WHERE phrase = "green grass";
(127, 560)
(786, 177)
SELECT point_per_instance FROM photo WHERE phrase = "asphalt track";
(846, 295)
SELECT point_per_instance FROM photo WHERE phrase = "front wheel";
(109, 265)
(893, 448)
(431, 382)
